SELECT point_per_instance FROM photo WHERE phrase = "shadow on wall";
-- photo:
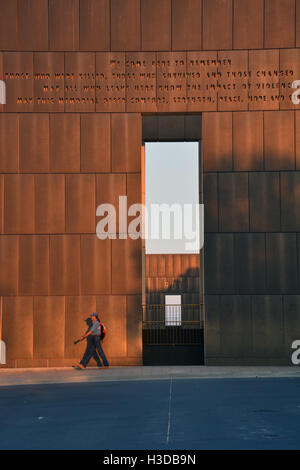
(187, 285)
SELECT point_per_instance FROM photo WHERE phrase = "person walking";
(89, 340)
(93, 344)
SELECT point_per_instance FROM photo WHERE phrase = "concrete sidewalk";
(13, 377)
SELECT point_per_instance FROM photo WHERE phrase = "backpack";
(102, 331)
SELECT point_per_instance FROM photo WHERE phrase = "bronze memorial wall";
(79, 76)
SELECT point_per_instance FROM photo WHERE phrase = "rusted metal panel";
(134, 192)
(8, 25)
(297, 132)
(147, 266)
(18, 75)
(202, 76)
(169, 266)
(80, 204)
(217, 24)
(171, 82)
(156, 25)
(264, 92)
(95, 265)
(125, 25)
(9, 147)
(268, 326)
(78, 308)
(248, 26)
(217, 142)
(233, 91)
(153, 259)
(49, 81)
(18, 310)
(34, 265)
(63, 25)
(219, 264)
(80, 82)
(49, 327)
(279, 23)
(34, 143)
(141, 82)
(19, 204)
(32, 25)
(94, 29)
(109, 187)
(291, 305)
(9, 258)
(186, 25)
(211, 208)
(65, 143)
(282, 275)
(177, 266)
(290, 67)
(1, 202)
(290, 196)
(49, 203)
(126, 142)
(65, 264)
(113, 313)
(95, 143)
(279, 140)
(234, 202)
(212, 325)
(264, 202)
(2, 106)
(161, 265)
(248, 141)
(235, 326)
(297, 23)
(110, 82)
(134, 326)
(126, 266)
(250, 263)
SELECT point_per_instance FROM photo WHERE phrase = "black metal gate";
(173, 335)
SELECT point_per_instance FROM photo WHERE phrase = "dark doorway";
(173, 307)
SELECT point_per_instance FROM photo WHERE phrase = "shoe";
(79, 367)
(105, 367)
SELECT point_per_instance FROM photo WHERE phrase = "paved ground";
(69, 375)
(165, 413)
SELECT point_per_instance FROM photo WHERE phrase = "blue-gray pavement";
(185, 414)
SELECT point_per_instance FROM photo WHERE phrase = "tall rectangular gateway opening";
(173, 283)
